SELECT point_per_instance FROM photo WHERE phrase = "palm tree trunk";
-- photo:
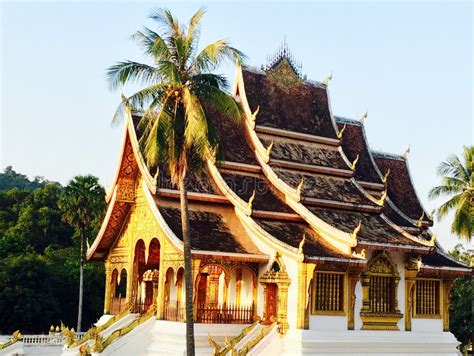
(188, 274)
(81, 279)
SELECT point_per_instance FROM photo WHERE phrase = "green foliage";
(10, 179)
(461, 321)
(458, 185)
(39, 260)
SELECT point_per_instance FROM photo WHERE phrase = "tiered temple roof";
(292, 176)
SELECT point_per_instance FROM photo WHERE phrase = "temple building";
(304, 240)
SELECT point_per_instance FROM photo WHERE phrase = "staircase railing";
(100, 343)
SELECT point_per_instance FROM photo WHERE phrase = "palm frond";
(142, 99)
(196, 130)
(214, 80)
(152, 44)
(220, 101)
(214, 55)
(165, 18)
(129, 72)
(452, 167)
(463, 220)
(447, 206)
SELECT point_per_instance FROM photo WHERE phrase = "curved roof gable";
(400, 186)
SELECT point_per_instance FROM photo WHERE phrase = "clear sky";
(409, 64)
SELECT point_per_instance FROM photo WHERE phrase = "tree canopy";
(458, 185)
(39, 259)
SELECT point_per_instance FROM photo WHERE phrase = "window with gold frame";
(427, 298)
(328, 293)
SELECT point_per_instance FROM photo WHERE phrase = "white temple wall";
(426, 325)
(292, 270)
(327, 322)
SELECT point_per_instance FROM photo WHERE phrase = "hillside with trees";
(40, 259)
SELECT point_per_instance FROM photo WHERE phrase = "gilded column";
(447, 286)
(302, 295)
(412, 266)
(282, 312)
(108, 283)
(196, 264)
(365, 282)
(309, 278)
(351, 298)
(160, 300)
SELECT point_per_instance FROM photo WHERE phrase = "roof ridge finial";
(284, 52)
(407, 151)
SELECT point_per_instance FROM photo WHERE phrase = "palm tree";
(458, 184)
(82, 203)
(178, 89)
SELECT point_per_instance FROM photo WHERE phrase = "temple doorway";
(271, 305)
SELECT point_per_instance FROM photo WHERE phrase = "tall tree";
(458, 185)
(82, 202)
(177, 90)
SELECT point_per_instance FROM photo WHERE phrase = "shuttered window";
(328, 293)
(381, 294)
(427, 297)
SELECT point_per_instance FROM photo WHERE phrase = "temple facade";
(301, 231)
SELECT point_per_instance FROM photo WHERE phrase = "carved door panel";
(202, 289)
(148, 295)
(271, 303)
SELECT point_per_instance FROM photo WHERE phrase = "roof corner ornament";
(432, 240)
(300, 246)
(250, 202)
(381, 201)
(419, 223)
(354, 162)
(432, 214)
(253, 117)
(407, 151)
(268, 151)
(363, 117)
(356, 230)
(327, 79)
(299, 188)
(385, 177)
(361, 254)
(341, 131)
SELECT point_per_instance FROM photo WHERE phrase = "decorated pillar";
(447, 287)
(108, 285)
(309, 279)
(302, 295)
(160, 300)
(282, 311)
(412, 267)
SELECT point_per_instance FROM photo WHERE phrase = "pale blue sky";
(409, 64)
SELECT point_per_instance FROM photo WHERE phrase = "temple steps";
(169, 338)
(358, 343)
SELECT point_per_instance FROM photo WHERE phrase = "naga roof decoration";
(292, 177)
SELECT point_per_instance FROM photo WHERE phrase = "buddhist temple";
(304, 240)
